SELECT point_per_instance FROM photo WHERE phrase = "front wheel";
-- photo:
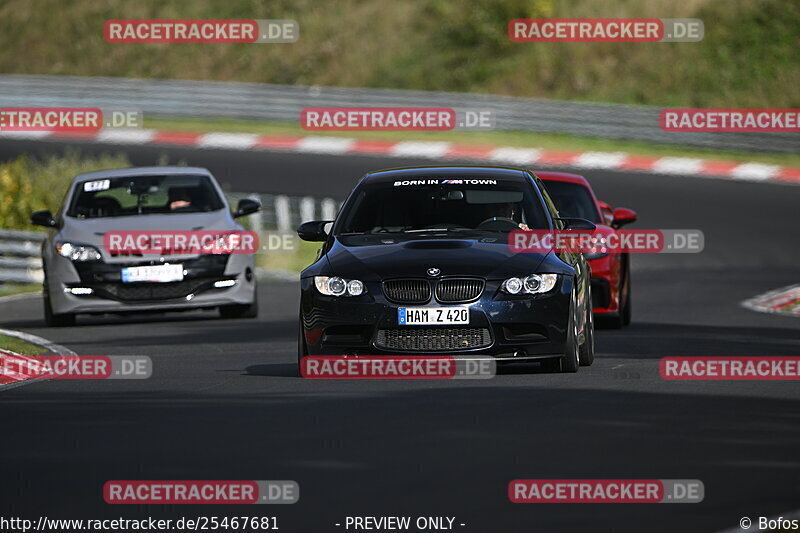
(55, 320)
(240, 310)
(587, 348)
(302, 349)
(571, 360)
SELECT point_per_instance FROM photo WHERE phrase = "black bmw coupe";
(418, 262)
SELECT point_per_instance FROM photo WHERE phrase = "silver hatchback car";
(84, 276)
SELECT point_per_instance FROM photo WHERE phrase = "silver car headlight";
(78, 252)
(336, 286)
(533, 284)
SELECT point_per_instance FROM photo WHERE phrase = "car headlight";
(336, 286)
(78, 252)
(533, 284)
(599, 248)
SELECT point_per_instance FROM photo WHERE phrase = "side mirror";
(246, 206)
(577, 223)
(607, 211)
(623, 216)
(43, 218)
(313, 231)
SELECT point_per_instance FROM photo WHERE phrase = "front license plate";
(152, 274)
(432, 316)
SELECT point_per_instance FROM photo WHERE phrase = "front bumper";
(532, 326)
(111, 295)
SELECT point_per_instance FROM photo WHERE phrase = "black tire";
(240, 310)
(302, 349)
(626, 307)
(53, 320)
(570, 362)
(623, 316)
(551, 365)
(587, 348)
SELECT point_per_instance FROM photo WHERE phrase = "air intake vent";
(458, 290)
(433, 339)
(407, 291)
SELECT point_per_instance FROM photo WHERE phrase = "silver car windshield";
(143, 195)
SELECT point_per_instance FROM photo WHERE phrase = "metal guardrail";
(20, 260)
(19, 256)
(179, 98)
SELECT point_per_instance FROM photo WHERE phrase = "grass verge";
(8, 289)
(19, 346)
(29, 184)
(295, 261)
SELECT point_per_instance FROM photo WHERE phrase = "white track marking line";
(515, 156)
(755, 172)
(600, 160)
(126, 136)
(234, 141)
(325, 145)
(39, 341)
(26, 134)
(678, 165)
(432, 150)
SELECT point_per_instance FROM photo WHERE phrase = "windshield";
(448, 204)
(573, 200)
(144, 195)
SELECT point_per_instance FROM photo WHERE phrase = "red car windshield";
(573, 200)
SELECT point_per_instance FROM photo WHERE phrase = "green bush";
(28, 185)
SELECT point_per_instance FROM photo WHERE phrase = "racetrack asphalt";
(224, 401)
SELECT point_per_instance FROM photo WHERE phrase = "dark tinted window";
(386, 207)
(573, 200)
(142, 195)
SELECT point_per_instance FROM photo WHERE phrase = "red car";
(611, 271)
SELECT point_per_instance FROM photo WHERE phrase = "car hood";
(376, 258)
(92, 230)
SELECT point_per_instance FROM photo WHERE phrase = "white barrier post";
(306, 209)
(282, 216)
(256, 224)
(328, 209)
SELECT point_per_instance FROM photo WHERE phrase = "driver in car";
(179, 198)
(508, 211)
